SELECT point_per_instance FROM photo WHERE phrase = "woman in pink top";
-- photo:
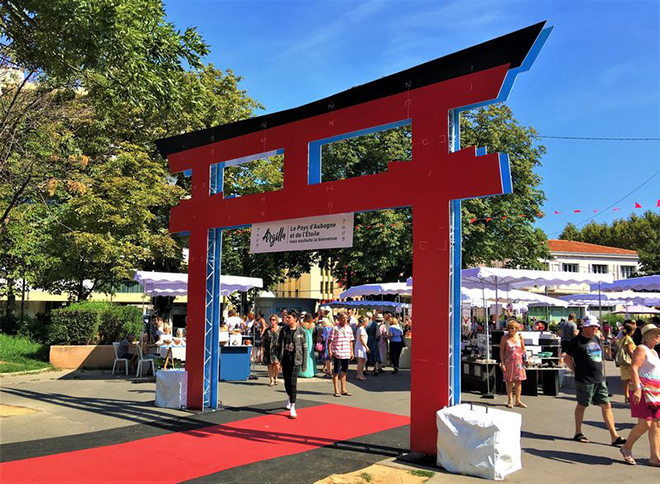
(512, 351)
(645, 396)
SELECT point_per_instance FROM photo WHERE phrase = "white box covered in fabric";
(171, 388)
(479, 441)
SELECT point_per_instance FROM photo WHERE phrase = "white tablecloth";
(178, 352)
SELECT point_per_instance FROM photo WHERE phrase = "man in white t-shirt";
(233, 322)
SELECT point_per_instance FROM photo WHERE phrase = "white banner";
(322, 232)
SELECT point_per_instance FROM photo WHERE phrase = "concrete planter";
(82, 356)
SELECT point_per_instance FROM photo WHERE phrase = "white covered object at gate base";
(172, 388)
(479, 441)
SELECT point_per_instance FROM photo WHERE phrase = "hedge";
(74, 326)
(119, 321)
(94, 323)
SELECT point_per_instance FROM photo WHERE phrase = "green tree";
(121, 52)
(509, 236)
(382, 247)
(98, 83)
(637, 232)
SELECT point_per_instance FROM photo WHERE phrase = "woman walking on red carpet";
(292, 345)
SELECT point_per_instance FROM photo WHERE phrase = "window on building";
(628, 271)
(570, 268)
(599, 268)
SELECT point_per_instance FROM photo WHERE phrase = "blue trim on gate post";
(457, 266)
(215, 335)
(213, 301)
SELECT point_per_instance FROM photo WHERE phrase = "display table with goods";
(478, 371)
(543, 351)
(543, 364)
(478, 375)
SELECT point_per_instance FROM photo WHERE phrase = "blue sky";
(598, 75)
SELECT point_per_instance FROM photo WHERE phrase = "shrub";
(35, 329)
(75, 325)
(8, 324)
(94, 323)
(118, 321)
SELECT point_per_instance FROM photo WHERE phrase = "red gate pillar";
(429, 389)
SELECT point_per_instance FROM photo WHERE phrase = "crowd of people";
(294, 345)
(636, 349)
(584, 348)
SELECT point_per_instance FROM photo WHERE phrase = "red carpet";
(181, 456)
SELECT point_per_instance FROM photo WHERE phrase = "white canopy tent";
(396, 306)
(515, 295)
(613, 298)
(497, 278)
(647, 283)
(385, 288)
(173, 284)
(637, 309)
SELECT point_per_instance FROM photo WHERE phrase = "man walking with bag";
(584, 357)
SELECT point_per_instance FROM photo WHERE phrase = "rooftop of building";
(586, 248)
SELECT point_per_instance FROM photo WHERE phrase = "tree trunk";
(11, 299)
(23, 299)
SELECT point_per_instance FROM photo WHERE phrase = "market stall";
(234, 359)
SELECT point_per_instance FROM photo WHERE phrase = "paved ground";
(94, 408)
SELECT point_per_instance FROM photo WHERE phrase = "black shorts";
(340, 364)
(564, 346)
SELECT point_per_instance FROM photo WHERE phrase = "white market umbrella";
(637, 309)
(500, 278)
(514, 295)
(647, 283)
(397, 306)
(613, 298)
(385, 288)
(176, 284)
(494, 277)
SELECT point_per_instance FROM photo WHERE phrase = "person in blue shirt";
(395, 336)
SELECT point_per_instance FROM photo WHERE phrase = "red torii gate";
(426, 96)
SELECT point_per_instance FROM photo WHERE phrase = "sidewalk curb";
(27, 372)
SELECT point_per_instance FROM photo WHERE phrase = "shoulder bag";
(622, 357)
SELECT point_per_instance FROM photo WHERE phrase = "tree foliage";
(508, 237)
(640, 233)
(84, 192)
(382, 247)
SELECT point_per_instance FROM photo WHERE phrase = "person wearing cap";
(584, 357)
(645, 395)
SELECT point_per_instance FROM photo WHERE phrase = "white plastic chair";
(118, 359)
(141, 360)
